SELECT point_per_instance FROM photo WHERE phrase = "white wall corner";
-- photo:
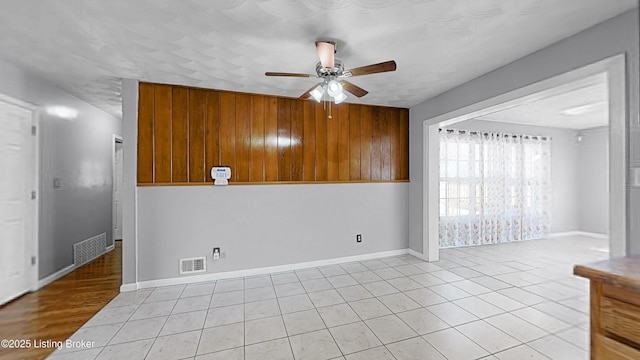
(430, 179)
(414, 253)
(129, 180)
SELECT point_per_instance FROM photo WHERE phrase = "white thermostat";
(221, 175)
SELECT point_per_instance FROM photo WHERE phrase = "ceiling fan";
(332, 73)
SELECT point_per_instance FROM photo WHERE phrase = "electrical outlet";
(358, 237)
(216, 253)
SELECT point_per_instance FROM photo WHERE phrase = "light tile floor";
(509, 301)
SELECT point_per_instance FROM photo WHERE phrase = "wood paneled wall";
(183, 132)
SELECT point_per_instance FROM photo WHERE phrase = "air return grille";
(89, 249)
(193, 265)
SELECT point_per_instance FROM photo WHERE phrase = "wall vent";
(193, 265)
(89, 249)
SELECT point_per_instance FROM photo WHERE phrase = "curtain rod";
(485, 133)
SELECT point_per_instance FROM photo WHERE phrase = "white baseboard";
(579, 233)
(593, 235)
(562, 234)
(55, 276)
(128, 287)
(110, 248)
(256, 271)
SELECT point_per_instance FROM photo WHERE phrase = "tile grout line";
(286, 331)
(163, 325)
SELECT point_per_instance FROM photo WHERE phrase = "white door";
(117, 191)
(16, 204)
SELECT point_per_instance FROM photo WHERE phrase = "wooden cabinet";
(610, 349)
(615, 307)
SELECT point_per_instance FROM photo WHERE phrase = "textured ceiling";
(591, 94)
(87, 46)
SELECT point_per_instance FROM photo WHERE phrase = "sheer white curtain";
(494, 187)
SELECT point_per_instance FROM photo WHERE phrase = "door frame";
(34, 209)
(114, 139)
(615, 68)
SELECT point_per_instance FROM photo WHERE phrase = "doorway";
(614, 68)
(18, 204)
(532, 171)
(117, 188)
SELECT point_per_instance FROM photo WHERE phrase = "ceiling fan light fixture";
(340, 98)
(317, 93)
(334, 88)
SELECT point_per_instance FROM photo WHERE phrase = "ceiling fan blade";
(307, 94)
(354, 89)
(326, 53)
(268, 73)
(372, 69)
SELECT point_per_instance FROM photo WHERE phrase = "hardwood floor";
(56, 311)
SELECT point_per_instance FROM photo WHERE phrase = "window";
(494, 187)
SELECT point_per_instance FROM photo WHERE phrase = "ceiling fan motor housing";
(335, 71)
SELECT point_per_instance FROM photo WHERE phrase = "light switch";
(58, 183)
(635, 177)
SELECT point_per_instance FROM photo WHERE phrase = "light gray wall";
(615, 36)
(77, 151)
(593, 180)
(266, 225)
(564, 153)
